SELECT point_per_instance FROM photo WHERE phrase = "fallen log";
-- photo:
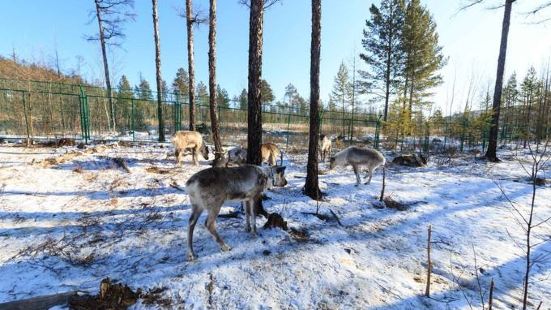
(40, 302)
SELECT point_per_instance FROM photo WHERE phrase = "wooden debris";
(111, 296)
(40, 302)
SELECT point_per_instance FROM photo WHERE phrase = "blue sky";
(470, 39)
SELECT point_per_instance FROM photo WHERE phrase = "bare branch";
(267, 3)
(539, 8)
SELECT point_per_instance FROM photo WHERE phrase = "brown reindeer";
(189, 140)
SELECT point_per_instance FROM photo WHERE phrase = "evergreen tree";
(242, 100)
(293, 99)
(342, 88)
(332, 105)
(180, 85)
(124, 88)
(143, 90)
(342, 92)
(383, 49)
(124, 102)
(510, 98)
(423, 55)
(266, 92)
(202, 92)
(223, 98)
(529, 93)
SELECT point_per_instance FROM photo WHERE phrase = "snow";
(67, 226)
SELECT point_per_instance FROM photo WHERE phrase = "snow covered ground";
(65, 226)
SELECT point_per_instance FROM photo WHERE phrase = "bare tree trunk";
(111, 114)
(491, 153)
(212, 82)
(158, 72)
(191, 64)
(254, 116)
(311, 188)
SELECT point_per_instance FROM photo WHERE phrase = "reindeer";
(269, 152)
(357, 156)
(208, 189)
(184, 140)
(324, 147)
(237, 155)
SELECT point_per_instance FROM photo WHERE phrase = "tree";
(202, 91)
(266, 92)
(342, 91)
(180, 85)
(111, 15)
(383, 48)
(510, 97)
(158, 72)
(212, 83)
(254, 116)
(124, 99)
(191, 20)
(491, 152)
(530, 92)
(293, 99)
(311, 188)
(423, 55)
(332, 105)
(242, 99)
(143, 90)
(223, 98)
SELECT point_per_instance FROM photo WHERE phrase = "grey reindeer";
(208, 189)
(358, 157)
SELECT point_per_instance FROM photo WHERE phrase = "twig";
(336, 217)
(429, 263)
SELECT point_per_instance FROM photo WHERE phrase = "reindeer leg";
(370, 173)
(247, 216)
(356, 172)
(194, 155)
(195, 213)
(211, 226)
(253, 213)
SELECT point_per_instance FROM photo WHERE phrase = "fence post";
(176, 113)
(288, 128)
(132, 125)
(85, 115)
(377, 131)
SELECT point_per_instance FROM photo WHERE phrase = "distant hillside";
(22, 70)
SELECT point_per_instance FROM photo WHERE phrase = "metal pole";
(353, 95)
(132, 121)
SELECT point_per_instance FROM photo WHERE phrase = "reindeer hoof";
(225, 248)
(366, 183)
(248, 229)
(191, 257)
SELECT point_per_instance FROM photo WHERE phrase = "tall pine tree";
(383, 50)
(180, 85)
(423, 55)
(342, 92)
